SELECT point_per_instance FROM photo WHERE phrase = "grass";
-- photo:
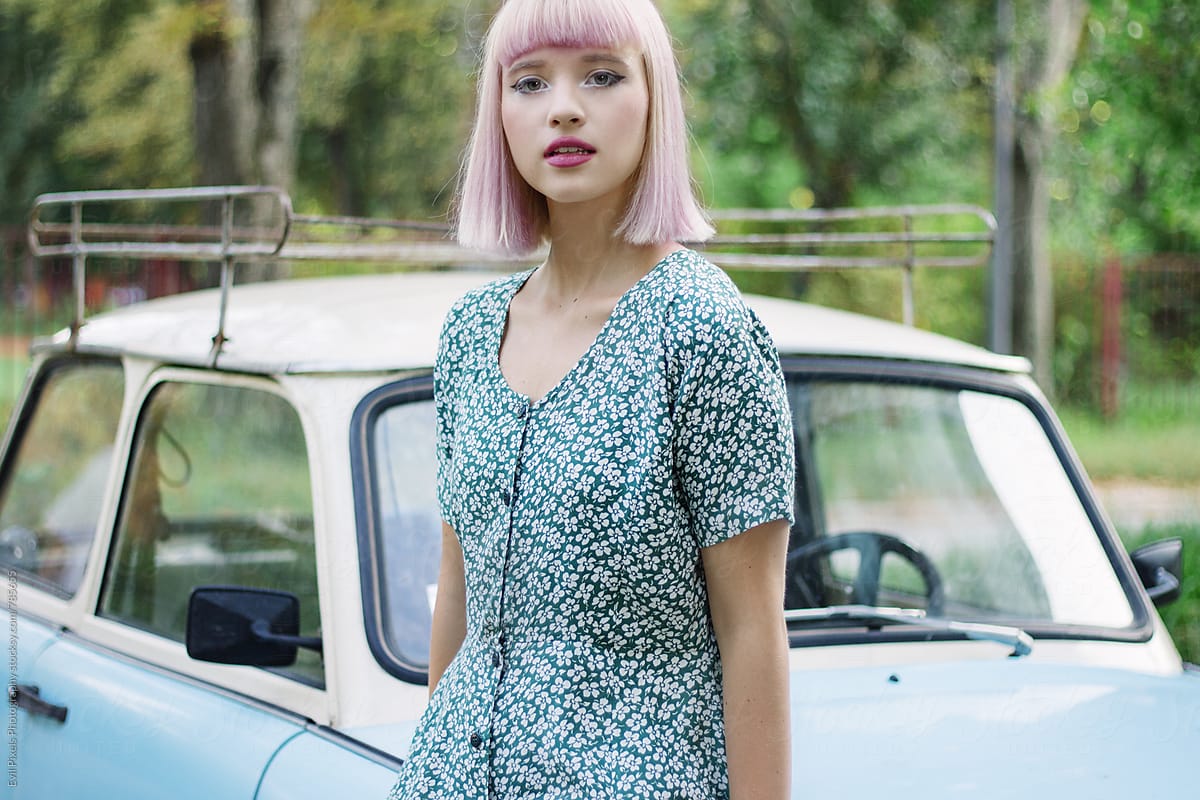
(12, 378)
(1162, 448)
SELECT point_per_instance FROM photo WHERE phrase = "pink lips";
(568, 151)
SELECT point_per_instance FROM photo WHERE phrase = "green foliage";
(1126, 174)
(12, 379)
(1159, 322)
(99, 94)
(27, 135)
(136, 104)
(386, 105)
(840, 99)
(805, 102)
(62, 70)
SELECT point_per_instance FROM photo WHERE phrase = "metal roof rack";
(894, 242)
(761, 239)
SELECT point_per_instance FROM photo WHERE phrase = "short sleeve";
(445, 402)
(733, 451)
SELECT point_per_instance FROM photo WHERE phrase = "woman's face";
(575, 121)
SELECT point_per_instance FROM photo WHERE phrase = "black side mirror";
(1160, 566)
(239, 625)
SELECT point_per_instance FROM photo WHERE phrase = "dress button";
(505, 497)
(523, 411)
(495, 659)
(476, 741)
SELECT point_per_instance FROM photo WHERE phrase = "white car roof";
(384, 323)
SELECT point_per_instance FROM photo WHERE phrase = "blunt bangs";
(522, 27)
(496, 210)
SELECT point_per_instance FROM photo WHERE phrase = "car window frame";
(362, 449)
(959, 378)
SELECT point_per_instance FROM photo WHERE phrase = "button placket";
(507, 499)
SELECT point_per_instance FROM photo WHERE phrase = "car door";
(216, 492)
(56, 461)
(133, 731)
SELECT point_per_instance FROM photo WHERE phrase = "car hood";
(1002, 729)
(978, 729)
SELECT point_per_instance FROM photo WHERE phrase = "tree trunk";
(277, 86)
(1046, 60)
(246, 67)
(213, 113)
(1033, 288)
(347, 191)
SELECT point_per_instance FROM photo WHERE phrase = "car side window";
(52, 487)
(403, 472)
(218, 494)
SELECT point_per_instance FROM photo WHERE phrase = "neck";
(586, 256)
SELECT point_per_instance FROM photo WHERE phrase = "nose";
(566, 108)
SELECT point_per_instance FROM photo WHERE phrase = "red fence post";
(1110, 339)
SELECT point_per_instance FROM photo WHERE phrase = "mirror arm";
(1164, 584)
(263, 633)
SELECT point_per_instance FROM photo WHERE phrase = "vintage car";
(218, 523)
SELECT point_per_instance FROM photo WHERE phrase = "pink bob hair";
(496, 209)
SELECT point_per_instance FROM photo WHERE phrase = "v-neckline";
(498, 339)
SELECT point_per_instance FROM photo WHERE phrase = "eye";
(603, 78)
(528, 85)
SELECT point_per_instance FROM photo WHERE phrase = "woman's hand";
(449, 609)
(745, 576)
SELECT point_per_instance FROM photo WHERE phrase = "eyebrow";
(608, 58)
(590, 58)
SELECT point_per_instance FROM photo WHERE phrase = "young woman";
(615, 450)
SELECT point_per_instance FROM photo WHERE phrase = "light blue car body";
(979, 728)
(994, 729)
(138, 733)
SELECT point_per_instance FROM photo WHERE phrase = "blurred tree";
(246, 63)
(245, 58)
(870, 95)
(881, 101)
(61, 76)
(26, 137)
(387, 103)
(825, 103)
(1125, 174)
(1125, 185)
(371, 112)
(1047, 39)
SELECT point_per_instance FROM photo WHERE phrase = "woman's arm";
(745, 595)
(449, 609)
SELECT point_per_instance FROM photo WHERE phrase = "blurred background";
(1077, 122)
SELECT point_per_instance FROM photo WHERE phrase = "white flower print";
(590, 669)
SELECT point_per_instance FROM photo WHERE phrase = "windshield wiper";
(1020, 641)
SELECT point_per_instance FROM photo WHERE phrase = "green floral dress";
(590, 668)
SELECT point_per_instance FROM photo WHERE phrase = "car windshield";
(908, 495)
(945, 499)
